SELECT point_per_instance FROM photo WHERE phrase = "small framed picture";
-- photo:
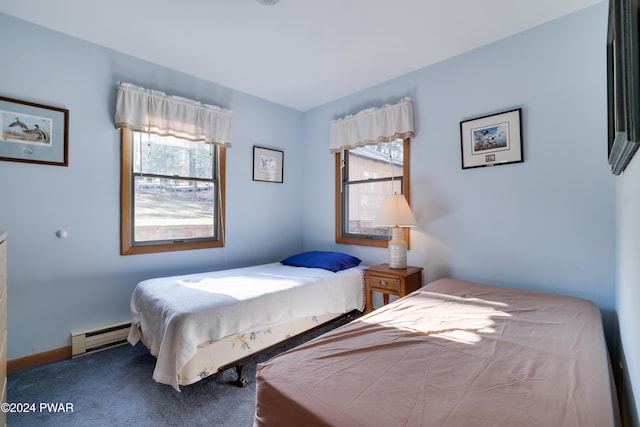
(267, 164)
(492, 140)
(33, 133)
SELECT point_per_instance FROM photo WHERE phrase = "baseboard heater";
(97, 339)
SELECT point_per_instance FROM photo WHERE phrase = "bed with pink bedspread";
(453, 353)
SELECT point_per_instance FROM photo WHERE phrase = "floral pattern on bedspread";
(245, 341)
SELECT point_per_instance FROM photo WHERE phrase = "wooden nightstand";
(390, 281)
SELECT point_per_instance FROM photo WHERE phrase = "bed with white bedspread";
(180, 317)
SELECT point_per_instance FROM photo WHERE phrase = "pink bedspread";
(451, 354)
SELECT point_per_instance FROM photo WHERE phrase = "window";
(172, 193)
(364, 176)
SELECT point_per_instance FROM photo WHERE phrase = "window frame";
(127, 246)
(340, 236)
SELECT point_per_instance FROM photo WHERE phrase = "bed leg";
(240, 381)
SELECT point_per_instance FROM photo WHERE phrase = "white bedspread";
(173, 315)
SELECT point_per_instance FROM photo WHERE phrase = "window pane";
(376, 161)
(364, 201)
(364, 177)
(173, 209)
(169, 156)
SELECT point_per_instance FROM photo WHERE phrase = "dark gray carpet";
(114, 388)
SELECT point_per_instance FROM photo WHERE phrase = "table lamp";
(396, 213)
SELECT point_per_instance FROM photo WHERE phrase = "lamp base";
(397, 249)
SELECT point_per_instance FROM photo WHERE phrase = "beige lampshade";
(395, 212)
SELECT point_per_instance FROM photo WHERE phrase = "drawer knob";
(383, 282)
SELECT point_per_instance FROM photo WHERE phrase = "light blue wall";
(545, 224)
(628, 270)
(56, 285)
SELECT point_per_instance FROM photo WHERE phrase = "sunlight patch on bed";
(452, 318)
(239, 286)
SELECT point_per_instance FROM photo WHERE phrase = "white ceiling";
(298, 53)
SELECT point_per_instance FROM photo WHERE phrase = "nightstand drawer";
(383, 283)
(389, 282)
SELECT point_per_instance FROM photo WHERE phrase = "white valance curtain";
(151, 111)
(371, 126)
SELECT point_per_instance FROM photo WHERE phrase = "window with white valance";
(371, 161)
(373, 125)
(173, 171)
(150, 111)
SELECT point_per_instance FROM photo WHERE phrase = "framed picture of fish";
(33, 133)
(492, 140)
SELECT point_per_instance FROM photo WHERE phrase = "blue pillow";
(332, 261)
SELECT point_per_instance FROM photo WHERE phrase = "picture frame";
(623, 87)
(492, 140)
(267, 164)
(33, 133)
